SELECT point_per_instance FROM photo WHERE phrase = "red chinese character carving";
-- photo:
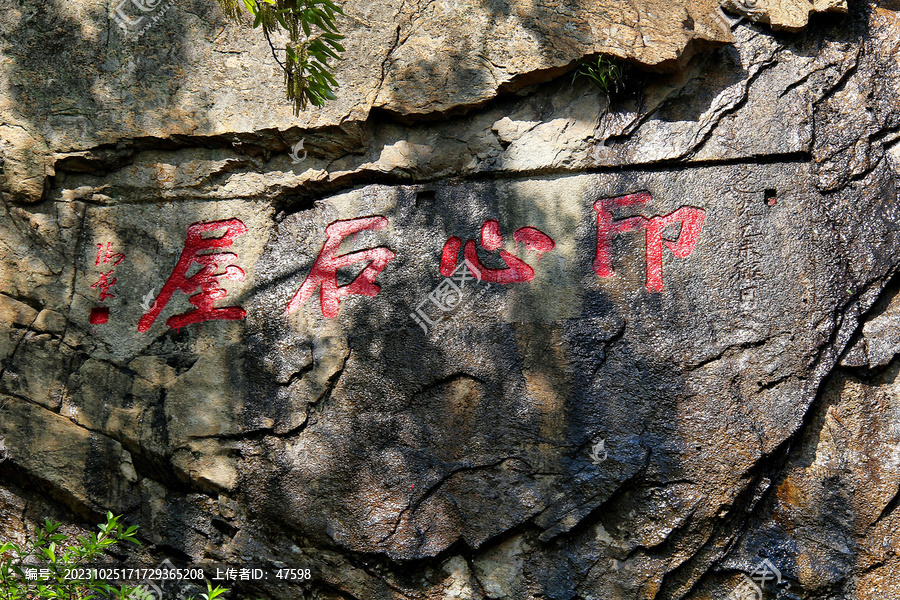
(691, 220)
(324, 270)
(104, 284)
(606, 228)
(100, 314)
(206, 279)
(109, 256)
(517, 270)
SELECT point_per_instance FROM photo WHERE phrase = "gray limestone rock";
(497, 335)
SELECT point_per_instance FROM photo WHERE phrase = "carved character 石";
(324, 271)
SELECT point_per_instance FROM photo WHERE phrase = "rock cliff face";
(488, 333)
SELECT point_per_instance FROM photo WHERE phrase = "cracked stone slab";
(725, 105)
(462, 461)
(407, 436)
(880, 339)
(857, 423)
(413, 59)
(783, 14)
(746, 272)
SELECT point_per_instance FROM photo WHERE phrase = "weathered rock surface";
(681, 360)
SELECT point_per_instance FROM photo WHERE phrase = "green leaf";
(329, 51)
(314, 36)
(337, 46)
(330, 78)
(333, 6)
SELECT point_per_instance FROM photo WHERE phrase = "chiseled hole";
(425, 198)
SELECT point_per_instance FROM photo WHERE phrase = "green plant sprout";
(49, 553)
(313, 41)
(46, 552)
(607, 74)
(211, 592)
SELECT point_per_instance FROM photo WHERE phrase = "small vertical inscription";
(749, 256)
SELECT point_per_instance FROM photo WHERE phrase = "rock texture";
(678, 357)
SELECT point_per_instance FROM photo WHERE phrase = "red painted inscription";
(690, 219)
(206, 279)
(105, 280)
(324, 271)
(517, 271)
